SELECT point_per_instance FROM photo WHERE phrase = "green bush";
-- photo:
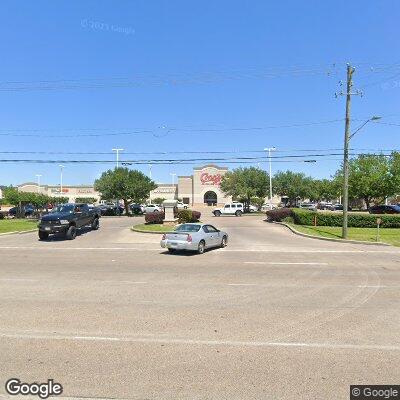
(188, 216)
(355, 220)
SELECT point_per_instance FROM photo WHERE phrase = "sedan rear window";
(188, 228)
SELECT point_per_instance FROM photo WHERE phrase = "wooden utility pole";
(350, 71)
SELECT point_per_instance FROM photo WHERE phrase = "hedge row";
(306, 217)
(182, 215)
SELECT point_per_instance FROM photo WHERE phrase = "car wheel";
(224, 242)
(156, 211)
(95, 224)
(238, 213)
(185, 207)
(201, 247)
(217, 213)
(43, 235)
(71, 233)
(171, 250)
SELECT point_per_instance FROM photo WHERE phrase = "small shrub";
(188, 216)
(154, 218)
(196, 216)
(279, 214)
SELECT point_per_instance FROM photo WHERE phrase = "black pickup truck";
(67, 218)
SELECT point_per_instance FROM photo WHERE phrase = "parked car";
(27, 211)
(194, 237)
(267, 207)
(324, 206)
(229, 209)
(384, 209)
(66, 219)
(253, 208)
(137, 208)
(111, 209)
(339, 207)
(150, 208)
(308, 206)
(181, 206)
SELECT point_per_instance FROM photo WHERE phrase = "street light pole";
(38, 181)
(269, 149)
(117, 151)
(61, 179)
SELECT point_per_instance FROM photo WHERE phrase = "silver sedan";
(194, 237)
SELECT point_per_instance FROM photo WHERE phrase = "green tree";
(293, 185)
(123, 183)
(372, 177)
(324, 189)
(245, 183)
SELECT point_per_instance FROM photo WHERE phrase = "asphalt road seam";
(215, 251)
(234, 343)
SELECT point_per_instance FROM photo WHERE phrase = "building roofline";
(209, 166)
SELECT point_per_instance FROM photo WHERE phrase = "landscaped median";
(17, 225)
(362, 227)
(155, 221)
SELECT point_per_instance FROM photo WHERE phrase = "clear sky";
(184, 76)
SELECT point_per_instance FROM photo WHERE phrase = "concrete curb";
(18, 232)
(296, 232)
(142, 231)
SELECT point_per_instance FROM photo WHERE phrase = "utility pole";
(350, 71)
(269, 149)
(117, 151)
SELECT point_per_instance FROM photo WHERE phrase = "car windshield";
(188, 228)
(64, 208)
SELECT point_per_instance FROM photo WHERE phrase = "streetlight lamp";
(61, 178)
(347, 138)
(38, 181)
(117, 151)
(269, 149)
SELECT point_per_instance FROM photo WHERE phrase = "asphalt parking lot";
(272, 316)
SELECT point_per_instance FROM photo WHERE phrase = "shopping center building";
(202, 187)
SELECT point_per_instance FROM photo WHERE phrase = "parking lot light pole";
(269, 149)
(61, 179)
(38, 181)
(346, 166)
(117, 151)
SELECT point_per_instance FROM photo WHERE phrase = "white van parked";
(229, 209)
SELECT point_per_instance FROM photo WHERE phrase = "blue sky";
(207, 72)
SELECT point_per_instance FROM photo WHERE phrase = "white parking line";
(215, 252)
(242, 284)
(285, 263)
(202, 342)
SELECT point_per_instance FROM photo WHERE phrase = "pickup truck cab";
(229, 209)
(66, 219)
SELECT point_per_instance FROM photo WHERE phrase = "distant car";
(194, 237)
(308, 206)
(151, 208)
(181, 205)
(325, 206)
(229, 209)
(137, 208)
(384, 209)
(253, 208)
(339, 207)
(27, 211)
(267, 207)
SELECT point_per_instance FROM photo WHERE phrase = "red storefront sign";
(208, 179)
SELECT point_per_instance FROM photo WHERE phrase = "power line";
(164, 129)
